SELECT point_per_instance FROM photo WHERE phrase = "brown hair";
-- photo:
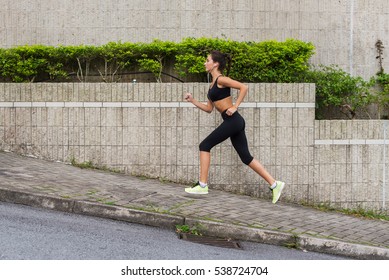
(223, 59)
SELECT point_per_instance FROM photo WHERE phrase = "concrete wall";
(351, 163)
(344, 32)
(148, 129)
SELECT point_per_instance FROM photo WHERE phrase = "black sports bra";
(215, 93)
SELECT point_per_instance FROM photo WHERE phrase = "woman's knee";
(205, 146)
(246, 159)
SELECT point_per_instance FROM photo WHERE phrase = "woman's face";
(209, 64)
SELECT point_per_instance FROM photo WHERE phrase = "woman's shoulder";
(228, 82)
(223, 80)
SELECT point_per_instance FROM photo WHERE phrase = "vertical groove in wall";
(351, 46)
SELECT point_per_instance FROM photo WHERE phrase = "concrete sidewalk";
(63, 187)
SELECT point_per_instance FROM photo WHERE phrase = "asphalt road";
(35, 234)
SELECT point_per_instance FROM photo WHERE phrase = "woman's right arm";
(205, 107)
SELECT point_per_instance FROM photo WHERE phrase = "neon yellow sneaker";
(277, 190)
(197, 189)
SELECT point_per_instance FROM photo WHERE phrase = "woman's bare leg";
(205, 161)
(258, 168)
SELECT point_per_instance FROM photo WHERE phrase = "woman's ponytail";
(228, 64)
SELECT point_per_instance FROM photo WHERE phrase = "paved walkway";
(63, 187)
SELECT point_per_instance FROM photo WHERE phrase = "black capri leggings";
(232, 127)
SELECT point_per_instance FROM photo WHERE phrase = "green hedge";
(268, 61)
(337, 88)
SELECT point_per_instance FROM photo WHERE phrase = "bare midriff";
(223, 104)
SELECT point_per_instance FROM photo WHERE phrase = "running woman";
(233, 126)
